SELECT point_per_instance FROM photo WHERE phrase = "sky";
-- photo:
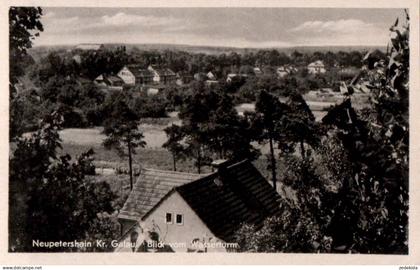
(232, 27)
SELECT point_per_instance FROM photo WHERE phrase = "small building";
(285, 70)
(89, 47)
(200, 76)
(231, 76)
(162, 75)
(77, 58)
(210, 75)
(348, 73)
(185, 212)
(211, 82)
(135, 75)
(282, 72)
(183, 78)
(109, 81)
(258, 71)
(316, 67)
(154, 89)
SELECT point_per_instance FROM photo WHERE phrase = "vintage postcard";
(272, 132)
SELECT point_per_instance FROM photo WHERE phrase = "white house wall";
(191, 228)
(126, 75)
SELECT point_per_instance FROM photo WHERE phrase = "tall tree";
(299, 124)
(269, 112)
(121, 129)
(173, 144)
(195, 114)
(229, 136)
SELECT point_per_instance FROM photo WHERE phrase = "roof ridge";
(209, 175)
(237, 163)
(174, 172)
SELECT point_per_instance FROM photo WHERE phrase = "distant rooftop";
(89, 47)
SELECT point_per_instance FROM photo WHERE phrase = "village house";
(200, 76)
(135, 75)
(283, 71)
(348, 73)
(211, 82)
(162, 75)
(316, 67)
(257, 71)
(210, 75)
(110, 82)
(231, 76)
(185, 212)
(183, 78)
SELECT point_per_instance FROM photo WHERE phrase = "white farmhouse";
(185, 212)
(316, 67)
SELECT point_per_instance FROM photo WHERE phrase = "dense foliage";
(50, 196)
(24, 25)
(351, 193)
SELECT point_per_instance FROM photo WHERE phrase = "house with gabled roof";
(162, 75)
(186, 212)
(257, 71)
(109, 81)
(211, 76)
(285, 70)
(135, 75)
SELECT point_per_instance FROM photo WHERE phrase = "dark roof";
(235, 195)
(164, 72)
(139, 72)
(114, 79)
(150, 188)
(223, 200)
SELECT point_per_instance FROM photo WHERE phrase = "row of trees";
(223, 63)
(212, 129)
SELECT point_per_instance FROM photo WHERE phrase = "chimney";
(218, 164)
(219, 167)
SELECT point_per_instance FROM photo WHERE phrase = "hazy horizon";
(218, 27)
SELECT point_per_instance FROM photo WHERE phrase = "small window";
(179, 219)
(168, 218)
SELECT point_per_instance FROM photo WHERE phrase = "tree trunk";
(130, 166)
(273, 164)
(198, 161)
(174, 161)
(302, 149)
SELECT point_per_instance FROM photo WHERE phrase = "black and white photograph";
(209, 130)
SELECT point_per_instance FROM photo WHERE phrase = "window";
(179, 219)
(168, 218)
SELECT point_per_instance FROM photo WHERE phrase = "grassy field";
(152, 129)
